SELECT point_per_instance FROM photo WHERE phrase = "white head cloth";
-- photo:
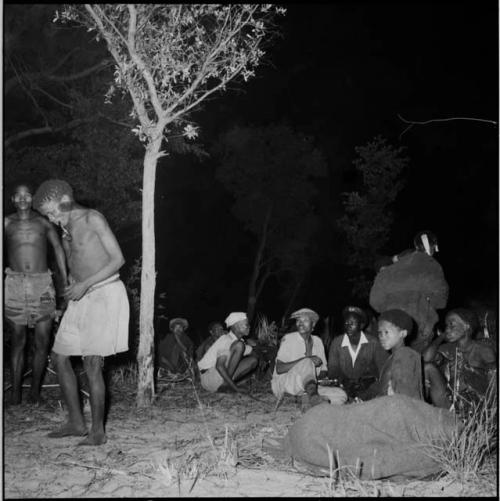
(234, 317)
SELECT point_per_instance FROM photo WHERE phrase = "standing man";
(95, 324)
(300, 362)
(229, 359)
(29, 291)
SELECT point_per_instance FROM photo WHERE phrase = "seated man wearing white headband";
(229, 359)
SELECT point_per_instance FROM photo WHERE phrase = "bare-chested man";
(29, 291)
(95, 324)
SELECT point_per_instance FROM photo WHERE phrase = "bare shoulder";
(94, 216)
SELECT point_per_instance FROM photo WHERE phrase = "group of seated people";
(452, 372)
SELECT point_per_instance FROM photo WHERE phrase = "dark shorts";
(29, 297)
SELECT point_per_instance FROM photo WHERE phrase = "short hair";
(14, 186)
(211, 325)
(468, 316)
(53, 189)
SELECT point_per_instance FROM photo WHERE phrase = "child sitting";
(402, 371)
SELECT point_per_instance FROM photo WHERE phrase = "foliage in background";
(368, 216)
(168, 59)
(271, 171)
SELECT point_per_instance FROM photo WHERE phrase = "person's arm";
(59, 254)
(99, 224)
(429, 354)
(220, 365)
(282, 367)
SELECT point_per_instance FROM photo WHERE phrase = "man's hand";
(75, 291)
(251, 342)
(316, 360)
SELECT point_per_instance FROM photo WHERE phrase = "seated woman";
(459, 371)
(402, 371)
(356, 358)
(175, 349)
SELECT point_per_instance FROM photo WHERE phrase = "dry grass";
(125, 375)
(267, 332)
(464, 457)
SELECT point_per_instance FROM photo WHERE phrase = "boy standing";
(95, 324)
(29, 292)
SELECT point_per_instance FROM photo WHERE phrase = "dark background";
(341, 73)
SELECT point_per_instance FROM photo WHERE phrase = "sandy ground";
(189, 443)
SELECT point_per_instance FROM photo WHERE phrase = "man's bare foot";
(94, 439)
(68, 430)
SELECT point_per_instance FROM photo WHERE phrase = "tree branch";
(53, 98)
(138, 104)
(140, 63)
(45, 130)
(81, 74)
(413, 122)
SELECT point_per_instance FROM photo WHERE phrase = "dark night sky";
(342, 72)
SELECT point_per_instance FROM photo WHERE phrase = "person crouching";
(300, 362)
(229, 359)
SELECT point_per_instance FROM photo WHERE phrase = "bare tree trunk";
(296, 289)
(145, 353)
(252, 287)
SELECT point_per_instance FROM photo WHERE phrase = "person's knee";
(253, 361)
(237, 348)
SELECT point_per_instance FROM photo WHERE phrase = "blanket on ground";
(386, 437)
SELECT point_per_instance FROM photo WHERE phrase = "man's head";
(354, 320)
(237, 322)
(54, 199)
(460, 323)
(22, 196)
(305, 319)
(178, 325)
(215, 329)
(393, 327)
(426, 241)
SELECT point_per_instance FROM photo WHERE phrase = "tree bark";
(252, 287)
(145, 353)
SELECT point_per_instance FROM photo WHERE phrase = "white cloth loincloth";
(97, 324)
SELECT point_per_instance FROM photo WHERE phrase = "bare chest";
(25, 233)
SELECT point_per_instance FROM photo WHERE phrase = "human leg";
(42, 339)
(18, 342)
(436, 385)
(93, 367)
(247, 365)
(75, 424)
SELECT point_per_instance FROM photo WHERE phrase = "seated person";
(402, 371)
(355, 359)
(229, 359)
(299, 363)
(175, 350)
(459, 371)
(215, 331)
